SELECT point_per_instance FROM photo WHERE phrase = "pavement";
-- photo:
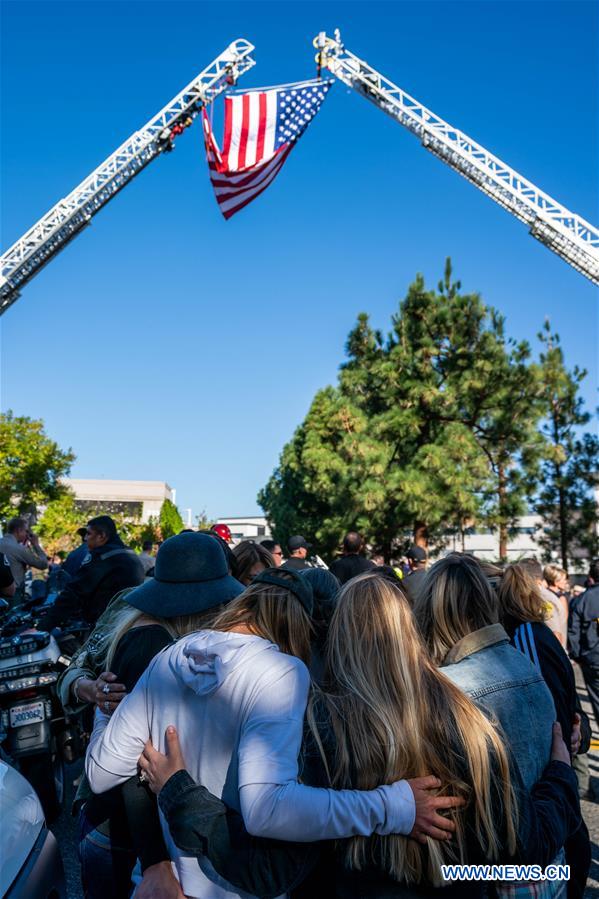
(65, 827)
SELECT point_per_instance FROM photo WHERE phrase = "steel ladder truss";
(65, 220)
(564, 232)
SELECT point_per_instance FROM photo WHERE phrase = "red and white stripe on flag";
(236, 187)
(261, 127)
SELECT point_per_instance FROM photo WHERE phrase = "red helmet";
(224, 532)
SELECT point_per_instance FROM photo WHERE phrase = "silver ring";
(143, 777)
(106, 689)
(106, 706)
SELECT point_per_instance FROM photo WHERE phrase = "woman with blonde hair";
(237, 695)
(388, 713)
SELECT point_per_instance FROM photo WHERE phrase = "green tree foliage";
(570, 470)
(170, 521)
(31, 465)
(59, 523)
(62, 517)
(430, 428)
(149, 531)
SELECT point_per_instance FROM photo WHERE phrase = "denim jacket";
(505, 685)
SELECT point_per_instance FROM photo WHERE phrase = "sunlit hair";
(456, 598)
(272, 612)
(126, 617)
(246, 555)
(395, 716)
(519, 595)
(553, 574)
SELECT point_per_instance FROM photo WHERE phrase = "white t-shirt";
(238, 706)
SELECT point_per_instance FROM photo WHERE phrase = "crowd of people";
(266, 726)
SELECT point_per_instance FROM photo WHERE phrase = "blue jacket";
(504, 684)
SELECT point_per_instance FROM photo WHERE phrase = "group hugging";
(297, 738)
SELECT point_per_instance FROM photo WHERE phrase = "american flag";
(261, 127)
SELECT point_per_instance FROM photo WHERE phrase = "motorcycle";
(36, 735)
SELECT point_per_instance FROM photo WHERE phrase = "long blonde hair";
(456, 598)
(395, 716)
(519, 595)
(272, 612)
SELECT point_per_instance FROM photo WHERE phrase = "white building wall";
(251, 527)
(151, 494)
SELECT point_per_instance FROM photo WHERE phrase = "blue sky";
(166, 343)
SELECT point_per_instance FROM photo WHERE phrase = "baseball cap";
(297, 542)
(416, 553)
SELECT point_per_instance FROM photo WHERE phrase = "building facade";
(248, 527)
(139, 500)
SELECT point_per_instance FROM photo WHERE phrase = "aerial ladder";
(68, 218)
(564, 232)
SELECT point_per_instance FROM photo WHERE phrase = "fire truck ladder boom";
(564, 232)
(65, 220)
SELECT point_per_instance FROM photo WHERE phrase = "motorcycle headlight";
(23, 683)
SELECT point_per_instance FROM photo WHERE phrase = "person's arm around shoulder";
(273, 803)
(201, 824)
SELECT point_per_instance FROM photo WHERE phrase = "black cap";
(291, 581)
(297, 542)
(416, 553)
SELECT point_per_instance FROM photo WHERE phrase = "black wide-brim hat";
(190, 577)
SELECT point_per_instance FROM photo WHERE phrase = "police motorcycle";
(36, 736)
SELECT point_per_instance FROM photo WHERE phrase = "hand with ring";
(107, 693)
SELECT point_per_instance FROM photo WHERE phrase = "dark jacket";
(349, 566)
(540, 645)
(583, 630)
(201, 824)
(412, 584)
(75, 559)
(108, 570)
(296, 564)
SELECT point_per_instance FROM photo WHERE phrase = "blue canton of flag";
(296, 107)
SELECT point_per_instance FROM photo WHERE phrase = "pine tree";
(570, 470)
(431, 428)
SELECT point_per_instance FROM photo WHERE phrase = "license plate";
(26, 714)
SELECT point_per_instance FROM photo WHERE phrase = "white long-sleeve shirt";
(238, 705)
